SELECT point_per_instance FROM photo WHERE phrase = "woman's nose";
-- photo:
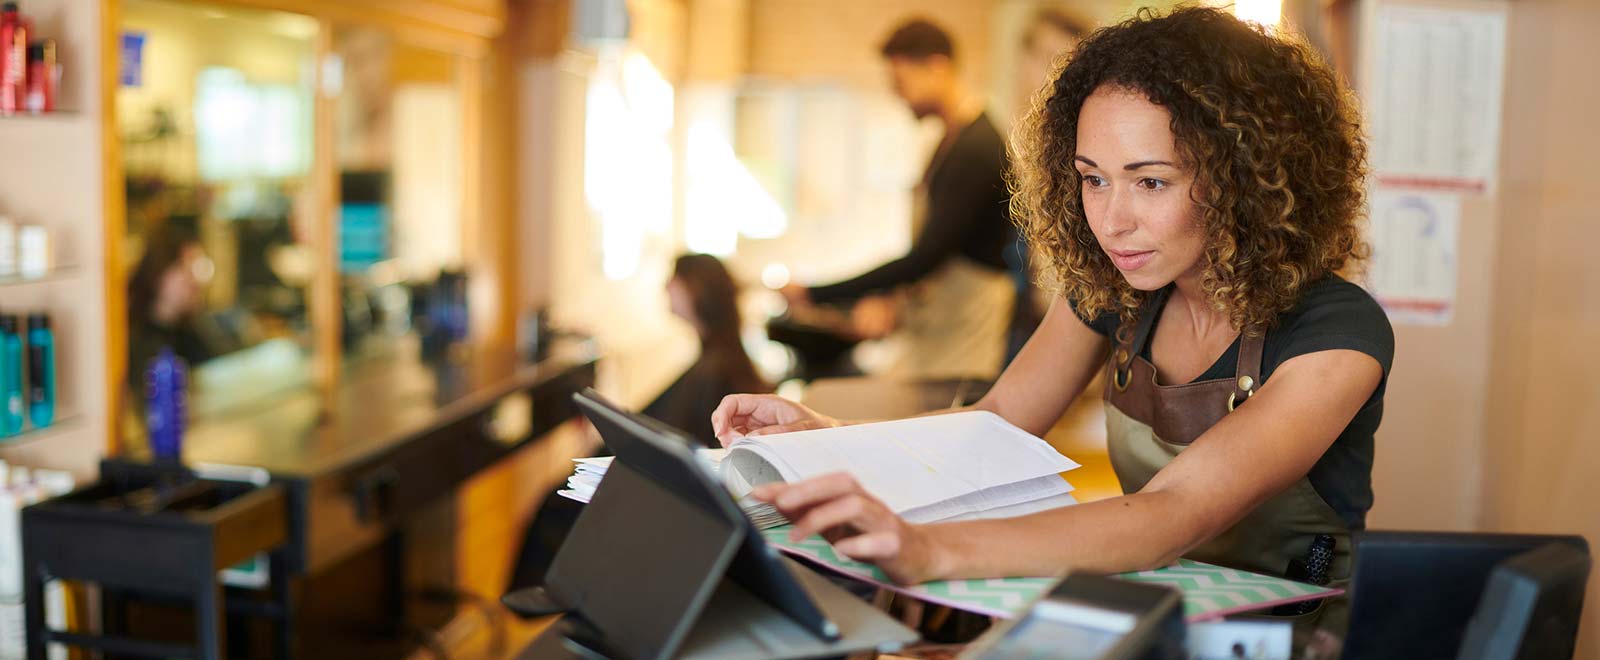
(1119, 218)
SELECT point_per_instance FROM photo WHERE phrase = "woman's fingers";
(754, 414)
(740, 414)
(858, 525)
(871, 546)
(802, 425)
(732, 412)
(797, 497)
(845, 510)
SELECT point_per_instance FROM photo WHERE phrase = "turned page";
(934, 468)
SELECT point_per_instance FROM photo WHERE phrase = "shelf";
(53, 114)
(30, 434)
(54, 274)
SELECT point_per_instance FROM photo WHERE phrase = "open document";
(956, 466)
(941, 467)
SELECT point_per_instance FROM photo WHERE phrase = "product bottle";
(165, 409)
(33, 251)
(14, 74)
(41, 76)
(9, 19)
(41, 371)
(8, 247)
(11, 400)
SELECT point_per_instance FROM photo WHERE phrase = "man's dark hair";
(918, 39)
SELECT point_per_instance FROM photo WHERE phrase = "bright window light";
(724, 198)
(775, 276)
(627, 179)
(247, 130)
(1265, 12)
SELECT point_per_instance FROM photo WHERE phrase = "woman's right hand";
(740, 415)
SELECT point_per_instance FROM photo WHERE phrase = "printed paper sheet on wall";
(1434, 96)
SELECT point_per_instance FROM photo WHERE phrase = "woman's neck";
(1189, 301)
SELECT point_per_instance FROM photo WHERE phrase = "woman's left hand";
(857, 524)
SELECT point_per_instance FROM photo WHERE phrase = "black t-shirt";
(1332, 314)
(967, 215)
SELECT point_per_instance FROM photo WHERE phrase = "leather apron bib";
(1148, 424)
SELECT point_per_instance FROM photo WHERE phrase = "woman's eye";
(1093, 181)
(1152, 184)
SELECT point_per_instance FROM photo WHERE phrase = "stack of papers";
(589, 471)
(586, 478)
(957, 466)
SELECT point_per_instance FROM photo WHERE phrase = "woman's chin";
(1145, 281)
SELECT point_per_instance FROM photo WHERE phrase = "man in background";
(948, 301)
(1049, 36)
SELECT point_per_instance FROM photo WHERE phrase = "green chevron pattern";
(1209, 591)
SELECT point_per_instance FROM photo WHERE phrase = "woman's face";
(681, 302)
(179, 289)
(1136, 192)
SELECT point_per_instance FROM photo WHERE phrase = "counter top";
(383, 403)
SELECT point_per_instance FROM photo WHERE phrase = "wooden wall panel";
(1542, 431)
(839, 39)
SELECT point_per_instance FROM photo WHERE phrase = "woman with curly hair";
(1195, 186)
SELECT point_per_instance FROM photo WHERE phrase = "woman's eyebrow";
(1130, 166)
(1147, 163)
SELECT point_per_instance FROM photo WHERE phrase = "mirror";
(398, 131)
(215, 112)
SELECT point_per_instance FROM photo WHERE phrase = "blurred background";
(292, 197)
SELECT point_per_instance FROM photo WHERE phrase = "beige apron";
(953, 322)
(1149, 424)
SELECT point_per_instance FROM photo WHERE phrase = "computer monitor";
(1412, 593)
(1531, 607)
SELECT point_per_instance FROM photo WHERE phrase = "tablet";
(666, 456)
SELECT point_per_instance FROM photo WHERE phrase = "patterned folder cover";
(1209, 591)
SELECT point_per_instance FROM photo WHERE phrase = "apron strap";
(1247, 372)
(1148, 313)
(1122, 358)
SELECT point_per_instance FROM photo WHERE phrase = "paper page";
(1434, 102)
(912, 463)
(1416, 254)
(581, 481)
(575, 495)
(1016, 510)
(753, 464)
(976, 505)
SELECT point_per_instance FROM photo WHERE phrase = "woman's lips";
(1127, 260)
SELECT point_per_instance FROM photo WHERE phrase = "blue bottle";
(12, 406)
(166, 385)
(41, 371)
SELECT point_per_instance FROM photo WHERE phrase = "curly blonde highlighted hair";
(1272, 136)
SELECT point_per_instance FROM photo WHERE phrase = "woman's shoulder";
(1335, 295)
(1334, 313)
(1105, 323)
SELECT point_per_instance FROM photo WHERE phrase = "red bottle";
(9, 19)
(13, 59)
(42, 76)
